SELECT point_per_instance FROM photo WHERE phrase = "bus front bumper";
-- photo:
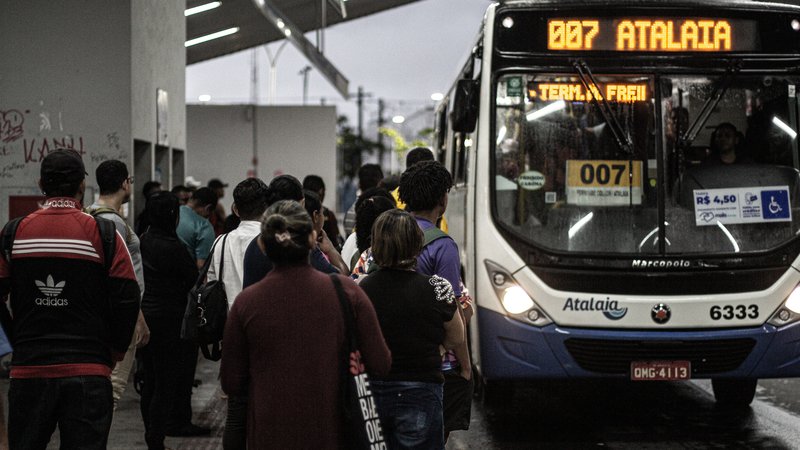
(512, 350)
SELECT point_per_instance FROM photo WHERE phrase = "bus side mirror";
(465, 106)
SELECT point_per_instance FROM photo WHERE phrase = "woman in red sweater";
(284, 338)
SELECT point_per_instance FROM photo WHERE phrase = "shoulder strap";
(107, 210)
(7, 238)
(221, 258)
(204, 270)
(108, 235)
(101, 210)
(432, 234)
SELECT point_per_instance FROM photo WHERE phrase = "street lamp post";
(273, 71)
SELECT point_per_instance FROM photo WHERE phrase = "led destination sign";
(650, 35)
(620, 93)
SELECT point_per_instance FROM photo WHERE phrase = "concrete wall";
(65, 75)
(83, 74)
(296, 140)
(158, 61)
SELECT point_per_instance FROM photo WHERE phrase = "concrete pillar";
(84, 74)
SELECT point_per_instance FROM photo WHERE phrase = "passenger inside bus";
(724, 148)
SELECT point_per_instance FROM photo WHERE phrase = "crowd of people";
(89, 295)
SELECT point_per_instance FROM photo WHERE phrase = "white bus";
(627, 189)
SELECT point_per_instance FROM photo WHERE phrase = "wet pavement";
(626, 415)
(579, 414)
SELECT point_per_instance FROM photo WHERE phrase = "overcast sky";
(402, 55)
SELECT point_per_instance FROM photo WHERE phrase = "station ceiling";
(255, 29)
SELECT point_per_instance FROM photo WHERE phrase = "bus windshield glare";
(727, 167)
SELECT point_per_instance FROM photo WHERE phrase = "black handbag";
(362, 427)
(207, 310)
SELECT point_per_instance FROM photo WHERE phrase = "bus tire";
(734, 393)
(498, 393)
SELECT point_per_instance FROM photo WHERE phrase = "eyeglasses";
(130, 180)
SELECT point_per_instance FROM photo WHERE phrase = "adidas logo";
(51, 288)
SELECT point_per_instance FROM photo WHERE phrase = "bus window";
(752, 117)
(562, 179)
(462, 145)
(441, 133)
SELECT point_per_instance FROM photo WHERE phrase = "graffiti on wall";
(21, 147)
(11, 122)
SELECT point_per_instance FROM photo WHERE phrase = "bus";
(626, 193)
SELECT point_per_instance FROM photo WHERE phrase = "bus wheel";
(498, 393)
(734, 392)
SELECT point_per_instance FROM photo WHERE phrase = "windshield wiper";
(708, 107)
(622, 139)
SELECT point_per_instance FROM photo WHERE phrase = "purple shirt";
(440, 257)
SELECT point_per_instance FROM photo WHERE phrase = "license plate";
(660, 370)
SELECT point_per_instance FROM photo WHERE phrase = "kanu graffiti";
(37, 148)
(34, 149)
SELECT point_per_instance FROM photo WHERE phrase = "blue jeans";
(411, 414)
(80, 406)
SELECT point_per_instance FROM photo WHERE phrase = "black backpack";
(108, 235)
(207, 310)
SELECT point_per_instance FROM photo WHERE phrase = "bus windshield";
(567, 181)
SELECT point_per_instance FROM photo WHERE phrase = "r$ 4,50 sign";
(742, 205)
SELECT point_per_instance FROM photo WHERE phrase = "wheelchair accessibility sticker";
(742, 205)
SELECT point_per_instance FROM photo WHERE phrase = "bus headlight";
(789, 312)
(517, 303)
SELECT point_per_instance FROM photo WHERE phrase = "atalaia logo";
(51, 290)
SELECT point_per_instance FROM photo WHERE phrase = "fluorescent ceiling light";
(204, 98)
(549, 109)
(437, 96)
(211, 36)
(201, 8)
(786, 128)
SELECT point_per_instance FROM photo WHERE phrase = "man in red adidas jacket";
(73, 317)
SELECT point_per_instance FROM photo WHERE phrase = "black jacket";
(169, 274)
(70, 312)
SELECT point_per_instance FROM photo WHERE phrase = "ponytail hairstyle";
(285, 229)
(366, 213)
(284, 187)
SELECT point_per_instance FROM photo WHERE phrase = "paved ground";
(553, 415)
(127, 430)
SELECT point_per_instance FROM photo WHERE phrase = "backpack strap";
(433, 234)
(108, 235)
(107, 210)
(7, 238)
